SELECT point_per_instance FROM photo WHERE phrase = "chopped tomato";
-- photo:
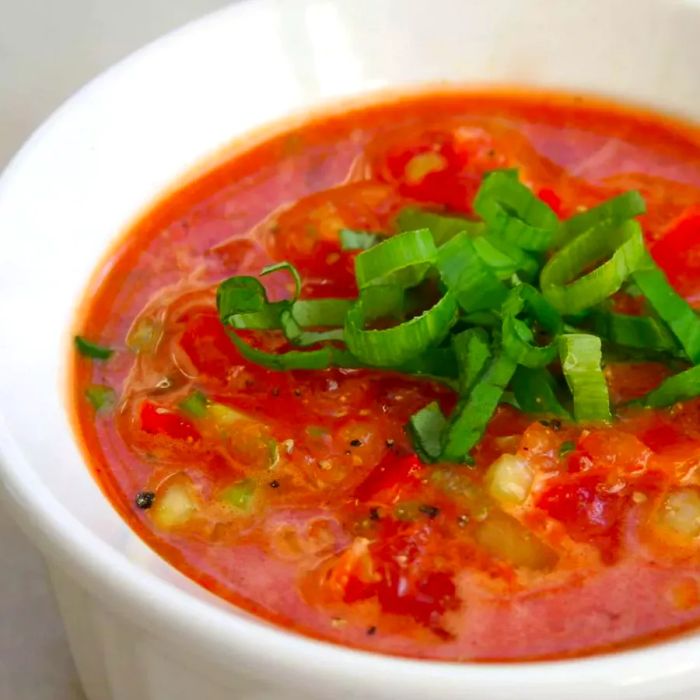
(661, 436)
(616, 451)
(678, 251)
(441, 165)
(582, 503)
(391, 475)
(630, 380)
(307, 233)
(550, 197)
(158, 420)
(405, 580)
(207, 345)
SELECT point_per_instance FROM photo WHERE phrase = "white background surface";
(48, 49)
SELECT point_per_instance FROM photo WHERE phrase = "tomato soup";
(418, 378)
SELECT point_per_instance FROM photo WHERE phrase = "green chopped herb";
(101, 397)
(513, 307)
(358, 240)
(581, 360)
(89, 349)
(566, 447)
(426, 428)
(195, 404)
(240, 495)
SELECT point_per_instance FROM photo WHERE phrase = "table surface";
(47, 51)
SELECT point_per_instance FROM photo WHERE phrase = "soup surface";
(533, 522)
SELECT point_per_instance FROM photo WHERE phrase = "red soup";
(418, 378)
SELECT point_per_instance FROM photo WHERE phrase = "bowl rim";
(158, 605)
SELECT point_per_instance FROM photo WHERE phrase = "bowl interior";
(129, 135)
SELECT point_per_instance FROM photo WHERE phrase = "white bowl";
(138, 629)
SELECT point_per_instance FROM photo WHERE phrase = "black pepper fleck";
(371, 630)
(430, 511)
(274, 484)
(144, 499)
(554, 423)
(374, 514)
(356, 442)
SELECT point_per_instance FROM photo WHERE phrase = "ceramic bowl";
(138, 629)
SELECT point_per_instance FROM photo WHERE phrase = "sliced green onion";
(463, 272)
(268, 318)
(581, 362)
(393, 346)
(401, 260)
(101, 397)
(472, 349)
(503, 264)
(638, 332)
(571, 293)
(239, 295)
(671, 307)
(535, 392)
(522, 262)
(512, 211)
(614, 211)
(438, 363)
(322, 358)
(518, 338)
(383, 302)
(358, 240)
(321, 313)
(679, 387)
(442, 226)
(425, 429)
(292, 271)
(566, 447)
(89, 349)
(297, 335)
(240, 495)
(195, 404)
(488, 319)
(473, 413)
(242, 303)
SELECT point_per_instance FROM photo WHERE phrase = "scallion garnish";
(426, 428)
(570, 291)
(195, 404)
(473, 413)
(101, 397)
(89, 349)
(357, 240)
(536, 392)
(612, 212)
(670, 306)
(495, 308)
(393, 346)
(512, 211)
(442, 226)
(402, 260)
(581, 363)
